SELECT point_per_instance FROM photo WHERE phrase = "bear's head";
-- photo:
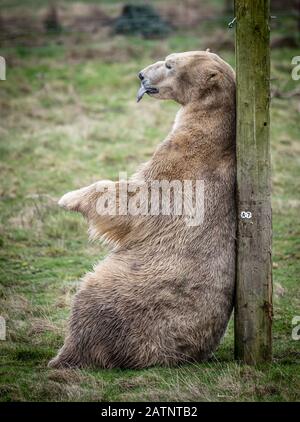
(187, 77)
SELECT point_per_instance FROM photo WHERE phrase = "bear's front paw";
(72, 200)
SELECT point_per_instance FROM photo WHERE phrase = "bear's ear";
(212, 76)
(207, 50)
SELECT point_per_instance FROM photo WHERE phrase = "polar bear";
(164, 294)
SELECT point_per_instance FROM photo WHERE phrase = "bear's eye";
(168, 66)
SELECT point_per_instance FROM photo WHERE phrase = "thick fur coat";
(164, 294)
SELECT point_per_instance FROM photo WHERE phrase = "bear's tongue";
(143, 90)
(141, 93)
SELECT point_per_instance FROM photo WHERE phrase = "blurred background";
(68, 118)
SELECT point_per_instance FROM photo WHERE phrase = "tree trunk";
(253, 306)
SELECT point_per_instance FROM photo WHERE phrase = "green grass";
(69, 117)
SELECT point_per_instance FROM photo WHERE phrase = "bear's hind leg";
(67, 357)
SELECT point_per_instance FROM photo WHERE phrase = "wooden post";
(253, 305)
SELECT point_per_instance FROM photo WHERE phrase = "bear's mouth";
(145, 89)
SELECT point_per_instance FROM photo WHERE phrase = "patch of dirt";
(26, 27)
(82, 17)
(186, 15)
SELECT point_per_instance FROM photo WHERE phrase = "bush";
(141, 20)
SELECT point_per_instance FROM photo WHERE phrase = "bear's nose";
(141, 76)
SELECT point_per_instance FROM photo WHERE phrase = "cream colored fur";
(164, 294)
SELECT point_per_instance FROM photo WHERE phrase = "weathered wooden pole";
(253, 306)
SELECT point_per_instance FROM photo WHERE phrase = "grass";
(69, 117)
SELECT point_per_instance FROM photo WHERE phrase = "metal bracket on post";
(231, 23)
